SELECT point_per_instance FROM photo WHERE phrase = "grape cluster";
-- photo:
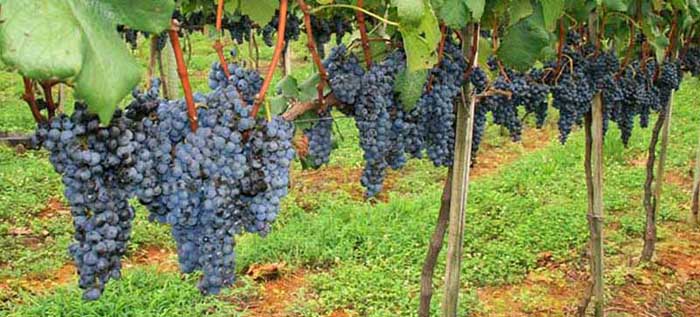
(226, 177)
(291, 31)
(240, 26)
(691, 60)
(437, 106)
(320, 140)
(322, 29)
(572, 93)
(246, 81)
(344, 74)
(96, 164)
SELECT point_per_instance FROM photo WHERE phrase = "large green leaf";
(524, 41)
(519, 9)
(410, 85)
(552, 10)
(72, 41)
(109, 72)
(476, 7)
(260, 11)
(454, 13)
(150, 15)
(420, 42)
(409, 11)
(616, 5)
(40, 50)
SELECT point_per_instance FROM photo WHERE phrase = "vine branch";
(311, 44)
(281, 27)
(48, 95)
(182, 73)
(363, 33)
(28, 96)
(356, 8)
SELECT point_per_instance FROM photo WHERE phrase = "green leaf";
(308, 89)
(552, 10)
(454, 13)
(519, 9)
(109, 72)
(409, 86)
(421, 42)
(260, 11)
(523, 42)
(616, 5)
(150, 16)
(476, 7)
(44, 50)
(289, 87)
(278, 104)
(306, 120)
(409, 11)
(72, 41)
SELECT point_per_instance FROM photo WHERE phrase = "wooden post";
(596, 213)
(460, 188)
(287, 61)
(168, 72)
(695, 214)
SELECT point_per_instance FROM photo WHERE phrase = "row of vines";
(419, 77)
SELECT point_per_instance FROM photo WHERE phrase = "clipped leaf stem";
(31, 100)
(182, 73)
(311, 44)
(279, 46)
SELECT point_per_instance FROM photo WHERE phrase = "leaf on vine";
(477, 8)
(615, 5)
(150, 16)
(523, 42)
(409, 85)
(519, 9)
(306, 120)
(289, 87)
(278, 104)
(552, 10)
(260, 11)
(79, 45)
(420, 42)
(454, 13)
(409, 11)
(308, 89)
(40, 50)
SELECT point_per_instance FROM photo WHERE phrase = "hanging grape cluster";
(226, 177)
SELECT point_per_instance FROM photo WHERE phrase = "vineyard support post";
(652, 203)
(695, 209)
(287, 59)
(459, 191)
(595, 214)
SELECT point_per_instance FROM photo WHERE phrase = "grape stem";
(311, 44)
(31, 100)
(441, 51)
(356, 8)
(182, 73)
(219, 15)
(363, 34)
(281, 27)
(48, 95)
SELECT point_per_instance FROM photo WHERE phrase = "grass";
(143, 292)
(363, 257)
